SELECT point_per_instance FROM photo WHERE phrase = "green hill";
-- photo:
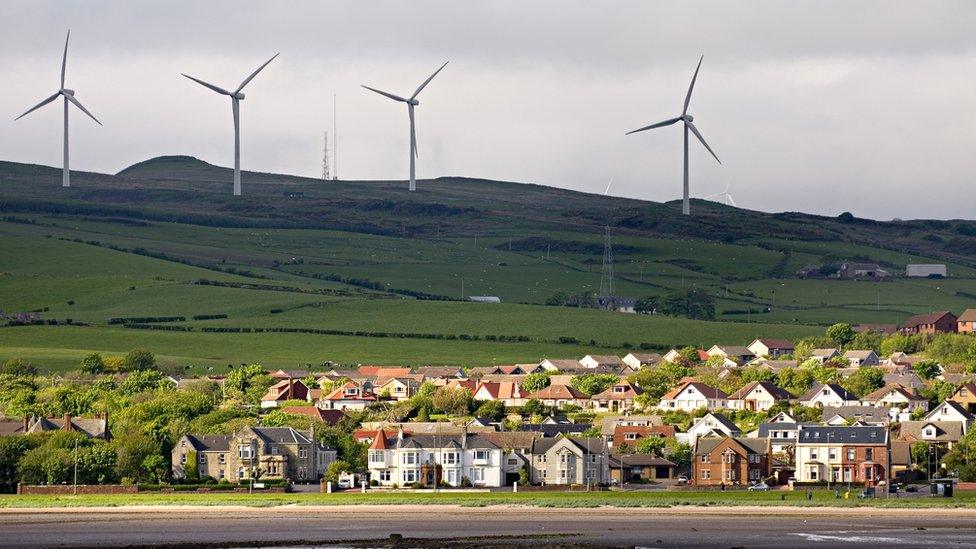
(340, 265)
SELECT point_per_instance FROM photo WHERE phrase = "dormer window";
(619, 389)
(929, 432)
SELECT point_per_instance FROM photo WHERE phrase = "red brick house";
(731, 461)
(939, 322)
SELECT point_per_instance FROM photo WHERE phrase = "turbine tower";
(235, 99)
(689, 125)
(69, 97)
(411, 103)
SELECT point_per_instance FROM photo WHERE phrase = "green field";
(661, 498)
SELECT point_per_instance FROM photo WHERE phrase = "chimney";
(67, 423)
(291, 383)
(26, 422)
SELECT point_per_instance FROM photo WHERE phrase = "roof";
(969, 315)
(646, 358)
(339, 393)
(752, 445)
(609, 422)
(774, 391)
(554, 392)
(930, 318)
(841, 392)
(469, 440)
(642, 431)
(499, 390)
(707, 391)
(281, 435)
(380, 371)
(722, 420)
(859, 353)
(776, 343)
(888, 389)
(280, 390)
(765, 428)
(563, 364)
(210, 443)
(735, 350)
(11, 427)
(329, 416)
(842, 434)
(587, 445)
(866, 413)
(91, 426)
(551, 430)
(379, 441)
(959, 408)
(512, 440)
(608, 394)
(901, 453)
(606, 359)
(441, 371)
(945, 431)
(824, 352)
(639, 460)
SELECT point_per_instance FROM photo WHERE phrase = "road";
(452, 526)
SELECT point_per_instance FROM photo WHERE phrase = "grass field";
(662, 498)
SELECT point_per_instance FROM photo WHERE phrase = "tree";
(535, 382)
(533, 407)
(795, 380)
(841, 333)
(456, 402)
(691, 303)
(864, 381)
(494, 409)
(757, 373)
(689, 355)
(18, 367)
(680, 454)
(657, 381)
(93, 364)
(920, 455)
(650, 445)
(334, 469)
(139, 359)
(142, 380)
(926, 369)
(646, 305)
(591, 384)
(248, 382)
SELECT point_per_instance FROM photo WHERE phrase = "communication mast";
(325, 158)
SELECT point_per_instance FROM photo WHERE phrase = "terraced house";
(842, 454)
(259, 452)
(454, 459)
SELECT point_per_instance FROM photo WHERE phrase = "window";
(409, 458)
(832, 454)
(869, 454)
(274, 450)
(241, 473)
(481, 455)
(302, 472)
(630, 436)
(202, 458)
(619, 389)
(409, 475)
(729, 474)
(183, 458)
(754, 474)
(302, 452)
(513, 461)
(451, 476)
(220, 459)
(754, 458)
(929, 432)
(451, 458)
(706, 474)
(814, 474)
(869, 473)
(245, 451)
(814, 454)
(477, 475)
(850, 454)
(704, 458)
(377, 456)
(385, 476)
(563, 458)
(221, 474)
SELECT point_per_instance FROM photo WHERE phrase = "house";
(516, 451)
(943, 432)
(568, 366)
(771, 348)
(457, 460)
(731, 460)
(398, 388)
(885, 329)
(775, 366)
(610, 362)
(568, 461)
(265, 452)
(560, 395)
(862, 415)
(639, 360)
(91, 427)
(442, 372)
(286, 389)
(965, 395)
(628, 468)
(781, 432)
(896, 396)
(508, 392)
(824, 355)
(610, 422)
(630, 434)
(348, 396)
(734, 355)
(691, 396)
(937, 270)
(758, 396)
(466, 384)
(619, 397)
(932, 323)
(909, 380)
(329, 417)
(862, 270)
(842, 454)
(950, 410)
(553, 430)
(829, 394)
(862, 358)
(709, 425)
(966, 323)
(485, 298)
(289, 374)
(674, 355)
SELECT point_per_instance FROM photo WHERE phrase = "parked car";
(682, 479)
(911, 489)
(866, 493)
(759, 487)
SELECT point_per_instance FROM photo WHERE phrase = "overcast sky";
(824, 107)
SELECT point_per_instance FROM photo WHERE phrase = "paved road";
(445, 526)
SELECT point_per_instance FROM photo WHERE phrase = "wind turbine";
(689, 125)
(411, 103)
(607, 192)
(724, 194)
(235, 102)
(69, 97)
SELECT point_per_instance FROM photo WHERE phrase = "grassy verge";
(822, 498)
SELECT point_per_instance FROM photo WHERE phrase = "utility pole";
(462, 289)
(76, 468)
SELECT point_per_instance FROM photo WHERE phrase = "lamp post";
(75, 490)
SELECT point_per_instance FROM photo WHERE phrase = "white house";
(611, 362)
(349, 396)
(862, 358)
(951, 411)
(829, 394)
(925, 271)
(463, 459)
(734, 355)
(709, 425)
(824, 355)
(772, 348)
(758, 396)
(693, 395)
(638, 360)
(896, 396)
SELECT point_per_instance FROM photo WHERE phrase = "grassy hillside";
(166, 238)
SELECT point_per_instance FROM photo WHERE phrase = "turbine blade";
(424, 85)
(82, 107)
(255, 73)
(217, 89)
(413, 132)
(694, 130)
(658, 125)
(711, 196)
(729, 196)
(692, 86)
(64, 60)
(390, 95)
(39, 105)
(607, 192)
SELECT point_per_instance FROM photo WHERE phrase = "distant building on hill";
(871, 271)
(926, 271)
(484, 299)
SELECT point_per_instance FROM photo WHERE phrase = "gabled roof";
(210, 443)
(705, 390)
(888, 389)
(947, 431)
(824, 352)
(339, 393)
(629, 393)
(281, 435)
(499, 390)
(646, 358)
(969, 315)
(557, 392)
(775, 343)
(613, 360)
(872, 414)
(831, 434)
(841, 392)
(733, 350)
(953, 405)
(859, 354)
(774, 391)
(551, 430)
(930, 318)
(722, 420)
(750, 445)
(330, 417)
(513, 440)
(380, 371)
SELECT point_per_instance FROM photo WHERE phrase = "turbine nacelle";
(66, 91)
(413, 102)
(688, 118)
(238, 96)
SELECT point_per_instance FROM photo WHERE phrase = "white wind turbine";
(235, 102)
(411, 103)
(688, 122)
(607, 192)
(726, 195)
(69, 97)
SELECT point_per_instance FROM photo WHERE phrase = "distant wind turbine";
(688, 122)
(411, 103)
(69, 97)
(724, 194)
(235, 99)
(607, 192)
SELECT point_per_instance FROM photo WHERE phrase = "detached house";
(639, 360)
(771, 348)
(691, 396)
(560, 395)
(896, 396)
(630, 434)
(824, 355)
(862, 358)
(829, 394)
(946, 433)
(399, 388)
(758, 396)
(508, 392)
(610, 362)
(457, 460)
(733, 355)
(965, 396)
(565, 460)
(966, 323)
(951, 411)
(842, 454)
(619, 397)
(348, 396)
(731, 460)
(709, 425)
(287, 389)
(932, 323)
